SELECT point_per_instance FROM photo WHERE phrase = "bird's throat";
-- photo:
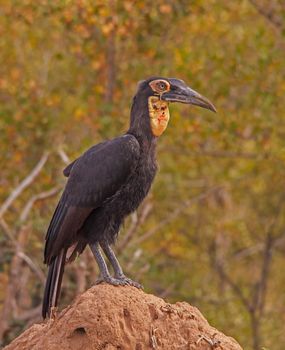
(158, 114)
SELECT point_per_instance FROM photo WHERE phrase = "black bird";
(107, 183)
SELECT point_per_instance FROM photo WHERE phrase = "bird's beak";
(189, 96)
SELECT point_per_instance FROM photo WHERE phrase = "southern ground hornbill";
(107, 183)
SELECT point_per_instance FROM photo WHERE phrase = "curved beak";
(189, 96)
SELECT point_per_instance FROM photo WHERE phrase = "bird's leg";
(119, 275)
(104, 272)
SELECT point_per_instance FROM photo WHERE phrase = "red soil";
(124, 318)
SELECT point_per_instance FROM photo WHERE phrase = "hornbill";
(107, 183)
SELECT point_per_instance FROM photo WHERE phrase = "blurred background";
(212, 230)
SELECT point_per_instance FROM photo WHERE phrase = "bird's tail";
(53, 283)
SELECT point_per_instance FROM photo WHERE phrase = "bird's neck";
(149, 119)
(140, 125)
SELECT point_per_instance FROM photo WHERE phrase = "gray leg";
(104, 272)
(119, 275)
(112, 258)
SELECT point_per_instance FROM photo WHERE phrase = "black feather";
(53, 229)
(67, 170)
(53, 283)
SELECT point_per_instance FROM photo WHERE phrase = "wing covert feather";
(68, 168)
(100, 172)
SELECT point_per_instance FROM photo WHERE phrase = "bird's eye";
(161, 86)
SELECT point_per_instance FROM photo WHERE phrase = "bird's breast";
(140, 184)
(137, 186)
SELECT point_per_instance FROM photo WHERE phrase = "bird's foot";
(129, 281)
(110, 280)
(121, 280)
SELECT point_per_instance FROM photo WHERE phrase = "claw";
(129, 281)
(111, 280)
(119, 281)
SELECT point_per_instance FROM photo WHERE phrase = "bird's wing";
(101, 171)
(95, 176)
(67, 170)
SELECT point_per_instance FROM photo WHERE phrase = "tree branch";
(136, 223)
(235, 287)
(269, 14)
(64, 157)
(24, 184)
(175, 214)
(267, 257)
(6, 229)
(28, 314)
(37, 197)
(32, 266)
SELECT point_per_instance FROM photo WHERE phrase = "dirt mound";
(124, 318)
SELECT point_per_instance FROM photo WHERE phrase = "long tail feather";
(53, 283)
(53, 230)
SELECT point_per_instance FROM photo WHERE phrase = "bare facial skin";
(159, 115)
(159, 86)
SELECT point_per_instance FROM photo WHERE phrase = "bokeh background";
(212, 230)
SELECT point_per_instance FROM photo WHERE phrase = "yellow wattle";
(158, 114)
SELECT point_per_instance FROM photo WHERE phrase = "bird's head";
(160, 92)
